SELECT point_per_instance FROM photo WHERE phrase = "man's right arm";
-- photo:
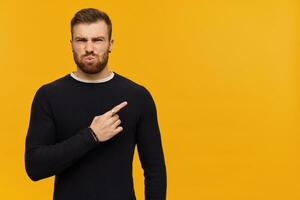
(43, 156)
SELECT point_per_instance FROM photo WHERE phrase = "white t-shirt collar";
(93, 81)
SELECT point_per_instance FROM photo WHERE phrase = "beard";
(98, 64)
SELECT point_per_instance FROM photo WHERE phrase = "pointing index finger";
(118, 107)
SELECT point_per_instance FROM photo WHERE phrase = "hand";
(106, 125)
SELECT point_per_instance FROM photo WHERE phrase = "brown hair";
(90, 15)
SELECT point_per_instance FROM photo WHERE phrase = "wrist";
(94, 134)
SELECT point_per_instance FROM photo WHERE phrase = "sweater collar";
(72, 74)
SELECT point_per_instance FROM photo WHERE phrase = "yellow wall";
(223, 75)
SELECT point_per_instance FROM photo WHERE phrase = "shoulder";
(47, 89)
(140, 90)
(57, 83)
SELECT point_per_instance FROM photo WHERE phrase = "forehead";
(94, 29)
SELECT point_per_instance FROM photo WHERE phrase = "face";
(91, 46)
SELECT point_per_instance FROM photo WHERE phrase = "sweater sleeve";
(43, 156)
(150, 150)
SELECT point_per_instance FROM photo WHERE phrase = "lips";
(89, 57)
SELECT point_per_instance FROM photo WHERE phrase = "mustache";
(90, 54)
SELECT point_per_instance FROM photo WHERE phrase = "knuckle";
(98, 117)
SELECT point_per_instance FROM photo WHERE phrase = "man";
(84, 126)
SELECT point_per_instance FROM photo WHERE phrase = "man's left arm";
(150, 149)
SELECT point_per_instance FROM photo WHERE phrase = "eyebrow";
(99, 37)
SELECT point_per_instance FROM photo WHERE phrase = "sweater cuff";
(88, 137)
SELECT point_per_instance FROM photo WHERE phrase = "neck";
(103, 74)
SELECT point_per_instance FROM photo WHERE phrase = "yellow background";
(224, 76)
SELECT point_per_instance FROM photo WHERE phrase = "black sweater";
(59, 142)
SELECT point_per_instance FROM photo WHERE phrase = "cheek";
(102, 52)
(102, 48)
(78, 49)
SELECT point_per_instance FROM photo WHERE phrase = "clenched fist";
(106, 126)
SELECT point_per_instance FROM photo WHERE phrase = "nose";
(89, 47)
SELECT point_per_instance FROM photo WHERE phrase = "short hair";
(91, 15)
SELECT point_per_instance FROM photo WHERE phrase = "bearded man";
(84, 126)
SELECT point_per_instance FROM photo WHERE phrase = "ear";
(110, 45)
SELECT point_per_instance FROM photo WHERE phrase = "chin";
(91, 69)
